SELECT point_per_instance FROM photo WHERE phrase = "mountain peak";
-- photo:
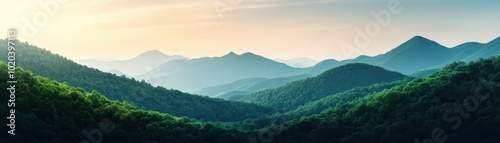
(248, 54)
(230, 54)
(152, 53)
(419, 38)
(418, 43)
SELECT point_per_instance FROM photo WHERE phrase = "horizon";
(274, 59)
(274, 29)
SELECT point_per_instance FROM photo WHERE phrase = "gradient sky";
(121, 29)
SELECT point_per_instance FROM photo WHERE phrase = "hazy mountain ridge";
(247, 86)
(419, 54)
(134, 66)
(190, 75)
(303, 62)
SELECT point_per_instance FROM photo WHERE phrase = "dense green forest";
(353, 103)
(335, 80)
(51, 112)
(344, 99)
(458, 104)
(144, 95)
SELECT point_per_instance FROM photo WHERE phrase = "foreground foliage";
(49, 111)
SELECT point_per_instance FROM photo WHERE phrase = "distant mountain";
(295, 94)
(247, 86)
(303, 62)
(489, 49)
(414, 55)
(135, 66)
(194, 74)
(138, 93)
(419, 54)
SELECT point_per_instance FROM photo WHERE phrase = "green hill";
(336, 80)
(144, 95)
(47, 111)
(457, 104)
(344, 99)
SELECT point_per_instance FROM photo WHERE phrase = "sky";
(284, 29)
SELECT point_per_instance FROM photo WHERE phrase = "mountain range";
(303, 62)
(204, 74)
(194, 74)
(419, 54)
(246, 86)
(131, 67)
(63, 101)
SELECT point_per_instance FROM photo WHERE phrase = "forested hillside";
(144, 95)
(296, 94)
(344, 99)
(49, 111)
(458, 104)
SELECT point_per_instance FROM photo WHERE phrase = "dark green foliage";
(346, 99)
(142, 94)
(414, 110)
(333, 81)
(48, 111)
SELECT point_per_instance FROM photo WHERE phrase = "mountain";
(456, 104)
(303, 62)
(50, 111)
(491, 48)
(194, 74)
(138, 93)
(247, 86)
(415, 54)
(135, 66)
(296, 94)
(419, 54)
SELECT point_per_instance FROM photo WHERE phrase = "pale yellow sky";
(122, 29)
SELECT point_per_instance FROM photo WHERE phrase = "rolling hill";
(49, 111)
(457, 104)
(296, 94)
